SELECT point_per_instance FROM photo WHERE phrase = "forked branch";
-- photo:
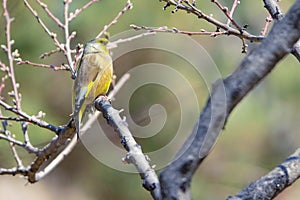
(175, 179)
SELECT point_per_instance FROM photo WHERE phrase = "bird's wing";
(87, 73)
(104, 78)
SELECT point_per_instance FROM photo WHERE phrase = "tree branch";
(127, 7)
(43, 154)
(165, 29)
(12, 140)
(70, 146)
(10, 56)
(175, 179)
(55, 68)
(46, 29)
(234, 5)
(276, 13)
(61, 145)
(50, 150)
(78, 11)
(228, 14)
(135, 155)
(27, 118)
(191, 8)
(64, 142)
(68, 37)
(270, 185)
(50, 14)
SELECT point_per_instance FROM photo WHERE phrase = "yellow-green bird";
(93, 79)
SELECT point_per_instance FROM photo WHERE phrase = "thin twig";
(50, 14)
(234, 5)
(5, 69)
(78, 55)
(2, 85)
(63, 47)
(29, 149)
(16, 119)
(190, 8)
(165, 29)
(30, 119)
(40, 21)
(127, 7)
(228, 15)
(268, 22)
(67, 49)
(26, 136)
(46, 54)
(55, 68)
(78, 11)
(14, 171)
(9, 42)
(14, 152)
(115, 44)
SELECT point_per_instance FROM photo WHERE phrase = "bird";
(93, 78)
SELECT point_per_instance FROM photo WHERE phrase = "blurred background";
(260, 133)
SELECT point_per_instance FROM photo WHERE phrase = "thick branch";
(270, 185)
(33, 171)
(135, 155)
(175, 179)
(59, 158)
(50, 150)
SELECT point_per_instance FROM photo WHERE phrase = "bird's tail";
(78, 119)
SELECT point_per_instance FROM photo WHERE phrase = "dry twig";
(127, 7)
(221, 28)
